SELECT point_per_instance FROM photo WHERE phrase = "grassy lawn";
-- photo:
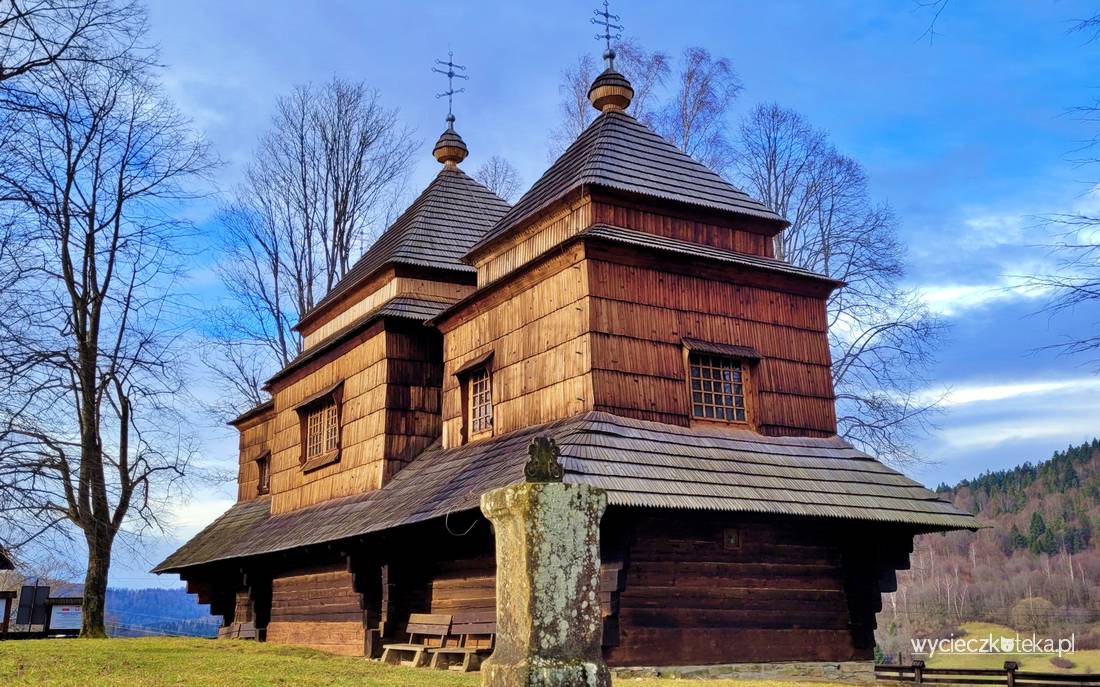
(194, 663)
(1084, 661)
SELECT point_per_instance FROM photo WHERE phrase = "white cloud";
(950, 300)
(988, 434)
(979, 393)
(985, 415)
(189, 518)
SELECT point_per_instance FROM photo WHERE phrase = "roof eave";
(255, 411)
(324, 307)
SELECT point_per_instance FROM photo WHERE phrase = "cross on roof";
(451, 75)
(607, 21)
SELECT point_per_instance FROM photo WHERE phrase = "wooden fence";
(1009, 676)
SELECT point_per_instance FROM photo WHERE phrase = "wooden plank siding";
(742, 235)
(391, 378)
(536, 327)
(641, 312)
(318, 608)
(397, 286)
(576, 212)
(599, 328)
(689, 598)
(414, 394)
(254, 441)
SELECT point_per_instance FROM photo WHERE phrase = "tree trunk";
(95, 586)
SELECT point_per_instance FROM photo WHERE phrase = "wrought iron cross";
(543, 465)
(451, 75)
(607, 21)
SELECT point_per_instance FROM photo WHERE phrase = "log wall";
(319, 608)
(464, 585)
(690, 598)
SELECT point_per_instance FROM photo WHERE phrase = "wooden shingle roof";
(638, 463)
(665, 244)
(452, 214)
(618, 152)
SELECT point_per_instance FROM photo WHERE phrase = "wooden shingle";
(618, 152)
(638, 463)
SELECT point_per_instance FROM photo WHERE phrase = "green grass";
(206, 663)
(1084, 661)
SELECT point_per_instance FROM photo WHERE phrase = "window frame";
(745, 358)
(465, 374)
(333, 395)
(473, 378)
(263, 474)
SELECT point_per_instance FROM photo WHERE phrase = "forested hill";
(156, 612)
(1049, 507)
(1034, 568)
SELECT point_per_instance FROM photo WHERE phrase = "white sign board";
(65, 617)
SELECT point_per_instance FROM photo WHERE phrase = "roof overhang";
(637, 463)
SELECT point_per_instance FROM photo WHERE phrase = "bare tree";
(36, 34)
(318, 188)
(1075, 282)
(499, 176)
(694, 116)
(882, 338)
(91, 442)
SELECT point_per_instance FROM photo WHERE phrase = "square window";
(718, 390)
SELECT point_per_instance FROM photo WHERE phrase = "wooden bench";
(239, 631)
(426, 631)
(471, 639)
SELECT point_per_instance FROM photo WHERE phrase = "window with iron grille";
(264, 465)
(322, 429)
(717, 388)
(481, 401)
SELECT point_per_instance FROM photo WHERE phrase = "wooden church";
(629, 306)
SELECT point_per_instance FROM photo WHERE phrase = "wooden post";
(918, 671)
(1010, 671)
(6, 617)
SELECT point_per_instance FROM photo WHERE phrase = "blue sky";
(969, 138)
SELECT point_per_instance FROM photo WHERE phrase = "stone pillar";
(549, 624)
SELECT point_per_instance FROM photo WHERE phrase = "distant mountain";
(150, 612)
(1035, 567)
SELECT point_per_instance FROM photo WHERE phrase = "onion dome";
(610, 91)
(450, 149)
